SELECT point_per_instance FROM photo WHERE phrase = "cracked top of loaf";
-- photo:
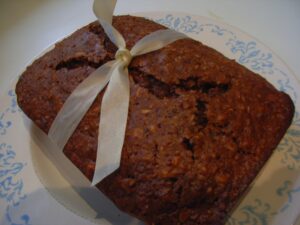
(200, 126)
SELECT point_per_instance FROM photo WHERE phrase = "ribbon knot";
(124, 55)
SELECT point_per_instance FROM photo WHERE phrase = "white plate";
(273, 199)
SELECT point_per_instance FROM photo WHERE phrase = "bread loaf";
(199, 130)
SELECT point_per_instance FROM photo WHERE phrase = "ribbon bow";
(115, 102)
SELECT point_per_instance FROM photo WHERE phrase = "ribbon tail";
(113, 119)
(104, 9)
(155, 41)
(78, 103)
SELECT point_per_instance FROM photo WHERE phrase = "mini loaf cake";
(200, 125)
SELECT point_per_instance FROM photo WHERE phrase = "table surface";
(28, 27)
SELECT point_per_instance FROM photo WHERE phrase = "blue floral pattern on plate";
(255, 214)
(4, 123)
(251, 56)
(11, 186)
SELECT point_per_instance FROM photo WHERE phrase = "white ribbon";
(115, 102)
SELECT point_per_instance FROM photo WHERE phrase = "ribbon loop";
(156, 40)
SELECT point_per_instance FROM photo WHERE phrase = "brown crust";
(197, 134)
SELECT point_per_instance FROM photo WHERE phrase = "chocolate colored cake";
(200, 126)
